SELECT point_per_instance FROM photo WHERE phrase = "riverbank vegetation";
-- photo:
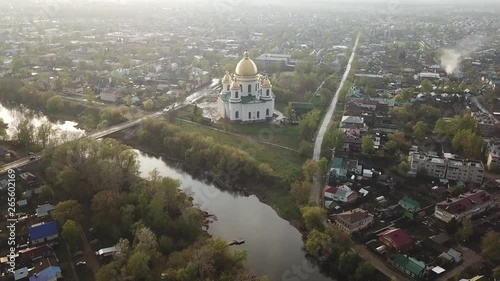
(154, 226)
(88, 116)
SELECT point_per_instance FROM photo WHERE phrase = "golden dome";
(235, 86)
(227, 78)
(266, 83)
(246, 67)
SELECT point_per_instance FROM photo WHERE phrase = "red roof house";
(396, 239)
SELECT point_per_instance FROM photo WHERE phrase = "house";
(22, 203)
(410, 206)
(28, 177)
(492, 152)
(352, 140)
(43, 233)
(396, 239)
(353, 220)
(410, 266)
(340, 193)
(35, 253)
(342, 167)
(455, 255)
(466, 205)
(353, 122)
(109, 95)
(51, 273)
(44, 210)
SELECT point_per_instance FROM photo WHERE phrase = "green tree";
(490, 246)
(322, 166)
(301, 191)
(334, 139)
(403, 168)
(305, 149)
(3, 129)
(457, 190)
(466, 229)
(420, 130)
(108, 272)
(89, 95)
(148, 105)
(316, 242)
(367, 144)
(309, 123)
(314, 217)
(137, 265)
(347, 262)
(24, 132)
(426, 86)
(71, 234)
(310, 170)
(67, 210)
(470, 144)
(364, 271)
(55, 104)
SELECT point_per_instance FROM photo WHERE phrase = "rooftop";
(354, 215)
(465, 202)
(42, 230)
(412, 265)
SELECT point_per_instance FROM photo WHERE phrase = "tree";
(305, 149)
(146, 241)
(457, 190)
(334, 139)
(67, 210)
(108, 272)
(313, 217)
(347, 262)
(55, 104)
(466, 229)
(148, 105)
(24, 132)
(490, 246)
(308, 124)
(364, 271)
(420, 130)
(89, 95)
(470, 144)
(3, 129)
(316, 242)
(367, 144)
(301, 191)
(44, 133)
(322, 166)
(71, 234)
(403, 168)
(137, 265)
(426, 86)
(310, 170)
(452, 226)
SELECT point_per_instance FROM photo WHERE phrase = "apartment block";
(446, 168)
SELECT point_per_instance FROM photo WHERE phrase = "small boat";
(236, 242)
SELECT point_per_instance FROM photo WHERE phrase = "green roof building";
(410, 266)
(411, 206)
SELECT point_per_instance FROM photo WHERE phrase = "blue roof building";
(51, 273)
(43, 233)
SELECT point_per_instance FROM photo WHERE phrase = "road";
(108, 131)
(380, 264)
(484, 110)
(316, 190)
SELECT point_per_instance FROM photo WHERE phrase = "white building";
(466, 205)
(248, 97)
(446, 168)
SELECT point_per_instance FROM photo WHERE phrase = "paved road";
(108, 131)
(316, 190)
(484, 110)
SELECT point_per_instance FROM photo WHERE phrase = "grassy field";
(284, 136)
(283, 202)
(284, 162)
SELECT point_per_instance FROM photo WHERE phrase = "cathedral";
(246, 97)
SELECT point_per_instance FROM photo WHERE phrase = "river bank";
(244, 190)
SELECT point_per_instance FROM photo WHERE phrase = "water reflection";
(11, 115)
(274, 247)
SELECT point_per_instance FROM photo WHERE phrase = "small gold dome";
(246, 67)
(235, 86)
(266, 83)
(227, 78)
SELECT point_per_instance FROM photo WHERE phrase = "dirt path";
(380, 264)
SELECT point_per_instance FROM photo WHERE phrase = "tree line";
(153, 224)
(200, 154)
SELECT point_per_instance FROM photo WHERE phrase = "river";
(273, 245)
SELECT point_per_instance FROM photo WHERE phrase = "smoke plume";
(451, 58)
